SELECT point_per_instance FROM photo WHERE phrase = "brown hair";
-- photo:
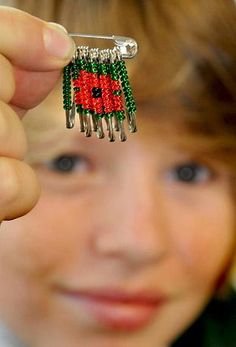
(187, 56)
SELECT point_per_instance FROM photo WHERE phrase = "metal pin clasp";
(127, 45)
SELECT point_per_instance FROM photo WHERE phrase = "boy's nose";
(132, 227)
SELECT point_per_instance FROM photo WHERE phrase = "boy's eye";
(191, 173)
(67, 163)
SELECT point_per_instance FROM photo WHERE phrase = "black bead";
(96, 92)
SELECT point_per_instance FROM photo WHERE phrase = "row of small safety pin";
(89, 124)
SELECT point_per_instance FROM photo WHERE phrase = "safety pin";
(128, 46)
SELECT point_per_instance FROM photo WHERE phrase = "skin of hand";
(32, 55)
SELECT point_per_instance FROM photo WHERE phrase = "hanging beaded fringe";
(96, 87)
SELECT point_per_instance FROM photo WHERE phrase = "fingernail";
(57, 42)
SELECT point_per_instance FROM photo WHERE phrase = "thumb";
(31, 43)
(37, 51)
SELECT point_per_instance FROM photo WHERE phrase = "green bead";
(67, 107)
(99, 116)
(117, 92)
(109, 115)
(67, 92)
(113, 71)
(79, 108)
(102, 69)
(86, 112)
(120, 115)
(94, 67)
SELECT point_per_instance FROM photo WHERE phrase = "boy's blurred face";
(126, 243)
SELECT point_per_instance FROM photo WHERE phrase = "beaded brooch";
(97, 88)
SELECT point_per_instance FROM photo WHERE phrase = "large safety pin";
(127, 45)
